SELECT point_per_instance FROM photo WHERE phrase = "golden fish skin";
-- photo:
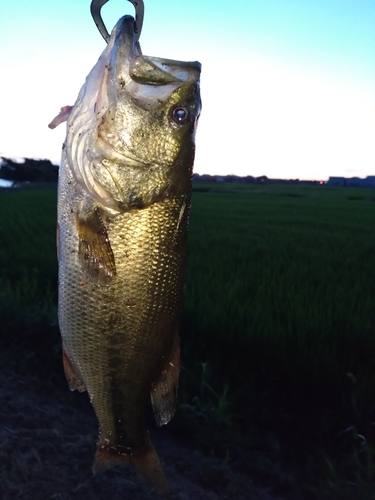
(123, 208)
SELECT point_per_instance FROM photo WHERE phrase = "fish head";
(131, 132)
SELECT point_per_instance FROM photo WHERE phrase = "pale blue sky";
(288, 86)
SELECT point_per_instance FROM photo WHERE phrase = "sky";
(288, 86)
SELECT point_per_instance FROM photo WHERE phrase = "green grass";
(28, 234)
(280, 305)
(28, 275)
(284, 277)
(278, 329)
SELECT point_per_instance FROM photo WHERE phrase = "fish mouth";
(148, 81)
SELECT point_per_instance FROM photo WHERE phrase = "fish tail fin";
(146, 462)
(148, 465)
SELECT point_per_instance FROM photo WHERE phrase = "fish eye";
(180, 115)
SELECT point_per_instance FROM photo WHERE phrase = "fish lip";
(125, 48)
(162, 61)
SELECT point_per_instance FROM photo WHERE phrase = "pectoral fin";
(164, 390)
(95, 250)
(73, 379)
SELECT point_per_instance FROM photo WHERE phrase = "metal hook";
(95, 9)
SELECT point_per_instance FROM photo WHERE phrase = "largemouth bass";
(123, 205)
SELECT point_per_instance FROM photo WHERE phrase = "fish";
(124, 194)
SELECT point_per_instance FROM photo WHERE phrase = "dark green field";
(278, 330)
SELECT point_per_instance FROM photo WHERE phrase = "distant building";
(369, 181)
(336, 181)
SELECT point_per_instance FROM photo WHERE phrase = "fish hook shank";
(96, 6)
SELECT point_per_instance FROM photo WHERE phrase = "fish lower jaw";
(121, 183)
(107, 150)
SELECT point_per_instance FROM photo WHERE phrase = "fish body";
(123, 207)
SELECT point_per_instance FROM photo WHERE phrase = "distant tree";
(29, 171)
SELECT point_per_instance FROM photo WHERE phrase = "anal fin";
(73, 379)
(164, 390)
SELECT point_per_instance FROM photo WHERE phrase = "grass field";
(277, 331)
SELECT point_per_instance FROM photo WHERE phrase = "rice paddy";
(277, 330)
